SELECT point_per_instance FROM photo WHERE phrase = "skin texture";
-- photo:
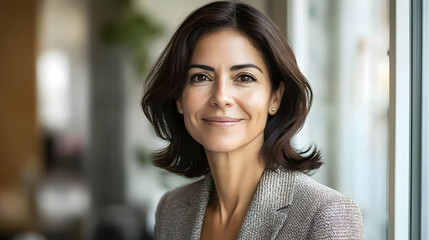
(225, 104)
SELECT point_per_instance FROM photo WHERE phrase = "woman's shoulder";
(183, 193)
(310, 189)
(330, 212)
(303, 189)
(177, 208)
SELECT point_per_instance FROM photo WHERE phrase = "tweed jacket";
(286, 205)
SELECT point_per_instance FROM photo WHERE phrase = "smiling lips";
(222, 121)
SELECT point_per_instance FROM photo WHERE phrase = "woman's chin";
(220, 148)
(232, 144)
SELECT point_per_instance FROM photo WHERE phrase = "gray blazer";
(286, 205)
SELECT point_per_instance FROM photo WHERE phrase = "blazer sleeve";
(340, 219)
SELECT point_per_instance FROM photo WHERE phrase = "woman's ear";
(276, 98)
(179, 105)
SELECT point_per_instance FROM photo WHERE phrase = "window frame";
(424, 224)
(416, 119)
(408, 120)
(399, 112)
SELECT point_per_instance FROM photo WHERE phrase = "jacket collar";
(266, 213)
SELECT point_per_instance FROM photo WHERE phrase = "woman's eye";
(246, 78)
(199, 78)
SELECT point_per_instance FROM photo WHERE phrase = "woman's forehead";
(226, 47)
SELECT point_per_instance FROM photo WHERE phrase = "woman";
(228, 96)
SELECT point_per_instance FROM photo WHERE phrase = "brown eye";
(246, 78)
(199, 78)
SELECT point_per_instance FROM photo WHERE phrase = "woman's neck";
(236, 176)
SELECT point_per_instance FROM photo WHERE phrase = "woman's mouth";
(222, 121)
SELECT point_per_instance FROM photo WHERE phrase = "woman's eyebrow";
(205, 67)
(248, 65)
(233, 68)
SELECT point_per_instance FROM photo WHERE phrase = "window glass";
(342, 47)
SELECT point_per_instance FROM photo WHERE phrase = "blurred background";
(75, 146)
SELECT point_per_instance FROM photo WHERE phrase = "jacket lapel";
(268, 210)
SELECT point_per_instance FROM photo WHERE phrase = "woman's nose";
(221, 94)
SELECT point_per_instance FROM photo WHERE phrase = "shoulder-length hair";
(166, 80)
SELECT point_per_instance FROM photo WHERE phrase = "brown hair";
(167, 78)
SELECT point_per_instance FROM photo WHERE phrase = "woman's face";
(227, 96)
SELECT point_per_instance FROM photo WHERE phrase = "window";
(342, 49)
